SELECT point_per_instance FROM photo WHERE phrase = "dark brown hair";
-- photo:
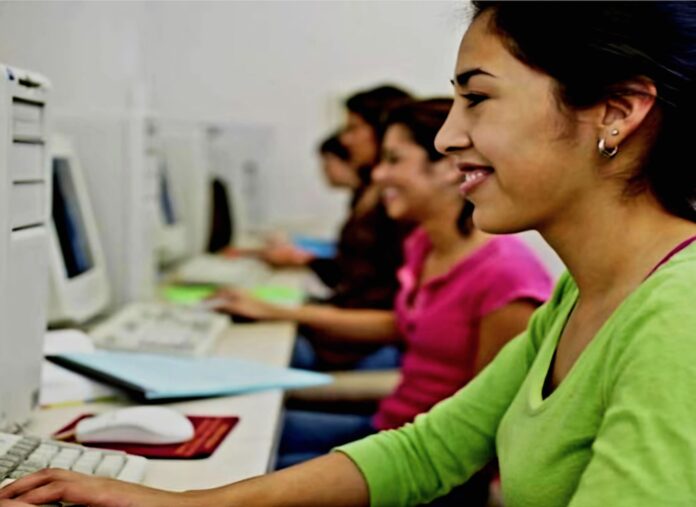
(332, 146)
(591, 48)
(374, 104)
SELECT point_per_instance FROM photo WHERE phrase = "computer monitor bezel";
(81, 297)
(171, 242)
(183, 144)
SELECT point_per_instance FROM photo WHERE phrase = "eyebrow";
(462, 79)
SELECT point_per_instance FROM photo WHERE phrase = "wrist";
(304, 258)
(279, 312)
(197, 498)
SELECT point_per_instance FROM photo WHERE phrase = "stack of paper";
(60, 386)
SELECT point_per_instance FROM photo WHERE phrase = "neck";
(610, 253)
(444, 235)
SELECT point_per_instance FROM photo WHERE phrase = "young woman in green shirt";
(574, 119)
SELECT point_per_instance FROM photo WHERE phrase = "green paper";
(278, 294)
(187, 294)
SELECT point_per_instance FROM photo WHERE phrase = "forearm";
(345, 325)
(330, 481)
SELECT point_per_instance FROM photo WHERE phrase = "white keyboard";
(161, 328)
(216, 270)
(22, 455)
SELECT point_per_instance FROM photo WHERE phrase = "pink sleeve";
(514, 279)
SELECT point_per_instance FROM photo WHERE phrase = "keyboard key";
(161, 328)
(110, 466)
(26, 455)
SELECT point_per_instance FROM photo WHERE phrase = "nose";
(453, 136)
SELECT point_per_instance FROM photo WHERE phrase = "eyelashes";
(474, 99)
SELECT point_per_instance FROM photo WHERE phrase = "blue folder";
(318, 247)
(153, 377)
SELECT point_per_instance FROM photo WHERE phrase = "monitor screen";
(166, 202)
(68, 220)
(222, 222)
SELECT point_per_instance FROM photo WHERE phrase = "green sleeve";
(444, 447)
(644, 454)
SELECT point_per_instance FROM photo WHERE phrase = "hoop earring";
(606, 152)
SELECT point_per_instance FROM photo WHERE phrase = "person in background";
(567, 119)
(369, 249)
(339, 172)
(463, 295)
(336, 165)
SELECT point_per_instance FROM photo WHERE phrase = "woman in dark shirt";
(369, 251)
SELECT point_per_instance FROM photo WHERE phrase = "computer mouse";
(136, 425)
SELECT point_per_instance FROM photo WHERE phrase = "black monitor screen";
(222, 223)
(68, 221)
(166, 203)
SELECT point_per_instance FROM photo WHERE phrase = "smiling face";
(412, 186)
(527, 162)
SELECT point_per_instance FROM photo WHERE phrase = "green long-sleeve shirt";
(620, 429)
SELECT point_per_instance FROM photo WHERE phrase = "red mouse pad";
(209, 432)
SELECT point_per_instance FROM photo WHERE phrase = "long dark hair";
(332, 146)
(591, 48)
(423, 119)
(374, 104)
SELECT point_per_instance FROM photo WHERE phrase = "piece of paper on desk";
(279, 294)
(156, 377)
(60, 386)
(187, 294)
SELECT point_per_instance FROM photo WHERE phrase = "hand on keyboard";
(54, 485)
(240, 304)
(22, 456)
(286, 255)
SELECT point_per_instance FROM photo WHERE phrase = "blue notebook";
(152, 377)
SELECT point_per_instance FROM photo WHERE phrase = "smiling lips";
(473, 177)
(388, 193)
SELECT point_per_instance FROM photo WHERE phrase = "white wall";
(289, 64)
(283, 63)
(91, 51)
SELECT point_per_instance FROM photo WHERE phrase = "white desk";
(250, 447)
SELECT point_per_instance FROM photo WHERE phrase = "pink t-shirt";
(440, 319)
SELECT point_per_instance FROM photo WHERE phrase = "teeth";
(473, 176)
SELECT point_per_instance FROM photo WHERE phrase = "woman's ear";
(626, 110)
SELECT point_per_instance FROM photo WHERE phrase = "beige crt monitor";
(24, 213)
(241, 155)
(79, 285)
(113, 149)
(186, 167)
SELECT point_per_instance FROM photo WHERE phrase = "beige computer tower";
(25, 190)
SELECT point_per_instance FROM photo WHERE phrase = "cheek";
(525, 151)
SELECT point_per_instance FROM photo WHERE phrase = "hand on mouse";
(55, 485)
(236, 302)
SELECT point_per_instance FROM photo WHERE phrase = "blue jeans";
(305, 357)
(308, 435)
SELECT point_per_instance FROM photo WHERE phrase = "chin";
(394, 214)
(497, 223)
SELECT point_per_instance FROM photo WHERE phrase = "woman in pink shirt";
(463, 293)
